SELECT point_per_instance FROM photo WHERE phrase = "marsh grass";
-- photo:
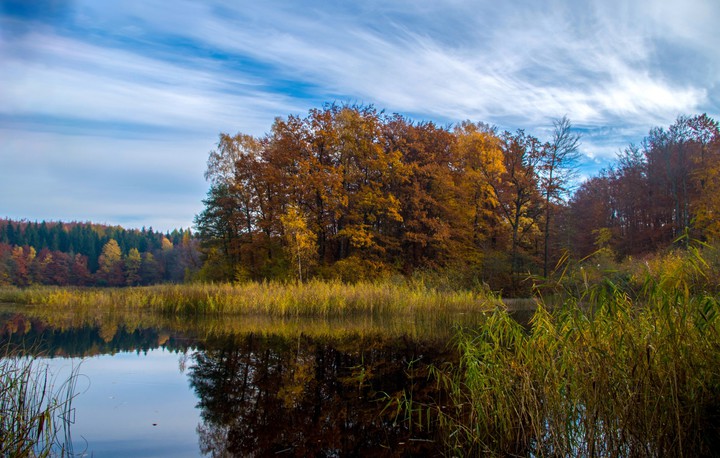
(35, 411)
(314, 298)
(619, 375)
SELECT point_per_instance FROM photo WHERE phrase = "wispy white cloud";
(189, 71)
(597, 65)
(534, 63)
(69, 78)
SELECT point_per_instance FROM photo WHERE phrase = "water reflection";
(270, 395)
(274, 388)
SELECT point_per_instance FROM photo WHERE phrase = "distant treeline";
(57, 253)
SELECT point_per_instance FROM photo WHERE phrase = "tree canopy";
(352, 193)
(374, 194)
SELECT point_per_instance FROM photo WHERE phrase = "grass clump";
(35, 414)
(614, 372)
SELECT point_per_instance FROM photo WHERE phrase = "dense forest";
(352, 193)
(83, 254)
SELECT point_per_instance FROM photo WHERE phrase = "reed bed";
(315, 298)
(621, 375)
(35, 414)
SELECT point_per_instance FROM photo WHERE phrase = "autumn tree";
(21, 260)
(300, 242)
(483, 167)
(325, 197)
(52, 267)
(297, 171)
(430, 201)
(655, 193)
(79, 273)
(705, 135)
(5, 261)
(111, 266)
(557, 171)
(518, 195)
(369, 174)
(239, 219)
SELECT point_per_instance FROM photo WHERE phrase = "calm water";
(154, 387)
(132, 404)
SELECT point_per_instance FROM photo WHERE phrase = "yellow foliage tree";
(111, 267)
(482, 158)
(166, 244)
(110, 256)
(301, 241)
(706, 207)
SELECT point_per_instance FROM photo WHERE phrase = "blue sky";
(109, 108)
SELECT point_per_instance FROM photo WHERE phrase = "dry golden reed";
(314, 298)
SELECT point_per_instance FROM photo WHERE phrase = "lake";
(241, 386)
(619, 381)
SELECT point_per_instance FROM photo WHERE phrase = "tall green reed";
(35, 409)
(613, 371)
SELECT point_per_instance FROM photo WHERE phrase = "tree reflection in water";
(266, 395)
(271, 391)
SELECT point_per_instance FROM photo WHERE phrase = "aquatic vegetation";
(613, 372)
(314, 298)
(621, 364)
(35, 413)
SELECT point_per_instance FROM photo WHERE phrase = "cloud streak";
(595, 67)
(73, 79)
(142, 74)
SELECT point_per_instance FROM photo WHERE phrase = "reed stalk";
(610, 372)
(314, 298)
(35, 411)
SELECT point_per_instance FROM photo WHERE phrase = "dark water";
(232, 389)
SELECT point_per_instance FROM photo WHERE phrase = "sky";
(109, 108)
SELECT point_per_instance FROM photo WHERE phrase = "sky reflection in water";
(132, 404)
